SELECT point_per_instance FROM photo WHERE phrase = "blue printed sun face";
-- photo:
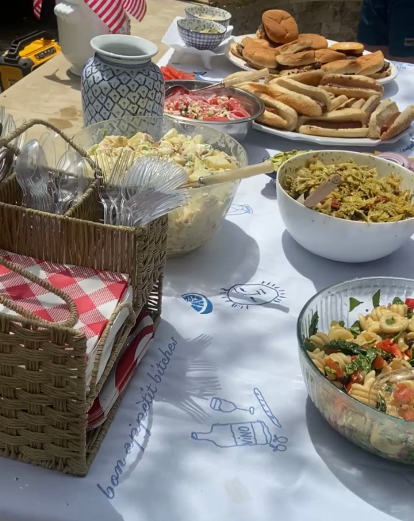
(245, 295)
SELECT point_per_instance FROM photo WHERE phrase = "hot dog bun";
(401, 123)
(277, 115)
(351, 86)
(338, 133)
(308, 78)
(382, 118)
(299, 102)
(316, 94)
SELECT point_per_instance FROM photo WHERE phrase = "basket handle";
(73, 310)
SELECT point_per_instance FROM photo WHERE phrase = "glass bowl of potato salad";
(200, 150)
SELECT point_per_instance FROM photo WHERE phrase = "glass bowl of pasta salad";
(356, 350)
(201, 151)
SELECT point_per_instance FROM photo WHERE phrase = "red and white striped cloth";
(111, 12)
(133, 350)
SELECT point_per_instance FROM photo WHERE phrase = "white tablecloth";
(195, 458)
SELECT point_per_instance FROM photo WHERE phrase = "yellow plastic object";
(24, 55)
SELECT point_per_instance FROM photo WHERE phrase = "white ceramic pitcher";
(77, 25)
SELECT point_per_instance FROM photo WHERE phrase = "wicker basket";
(44, 401)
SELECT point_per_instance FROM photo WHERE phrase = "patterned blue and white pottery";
(121, 80)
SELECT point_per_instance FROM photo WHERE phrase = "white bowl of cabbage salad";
(200, 150)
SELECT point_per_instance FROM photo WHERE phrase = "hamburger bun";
(259, 57)
(348, 48)
(279, 26)
(351, 86)
(301, 103)
(236, 49)
(277, 114)
(295, 46)
(317, 41)
(383, 118)
(312, 78)
(319, 95)
(383, 73)
(371, 63)
(327, 56)
(342, 67)
(296, 60)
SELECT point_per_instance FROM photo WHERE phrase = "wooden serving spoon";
(232, 175)
(226, 83)
(321, 192)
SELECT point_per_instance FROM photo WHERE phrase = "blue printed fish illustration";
(199, 303)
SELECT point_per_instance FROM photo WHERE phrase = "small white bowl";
(339, 239)
(206, 12)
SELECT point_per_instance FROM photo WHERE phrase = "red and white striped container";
(81, 20)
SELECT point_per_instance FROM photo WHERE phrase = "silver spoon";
(226, 83)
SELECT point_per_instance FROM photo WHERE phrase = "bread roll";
(277, 114)
(308, 78)
(371, 63)
(348, 48)
(318, 95)
(295, 46)
(342, 67)
(296, 60)
(279, 26)
(401, 123)
(327, 56)
(299, 102)
(317, 41)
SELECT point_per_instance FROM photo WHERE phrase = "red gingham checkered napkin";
(95, 293)
(121, 373)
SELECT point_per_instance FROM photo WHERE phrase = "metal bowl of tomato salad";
(229, 110)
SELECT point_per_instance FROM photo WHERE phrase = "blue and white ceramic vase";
(120, 80)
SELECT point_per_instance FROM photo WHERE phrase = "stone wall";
(334, 19)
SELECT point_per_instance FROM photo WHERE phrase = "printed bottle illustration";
(226, 435)
(219, 404)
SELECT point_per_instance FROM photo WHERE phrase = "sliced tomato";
(234, 104)
(403, 394)
(355, 378)
(240, 113)
(408, 415)
(333, 365)
(215, 118)
(379, 363)
(410, 303)
(389, 346)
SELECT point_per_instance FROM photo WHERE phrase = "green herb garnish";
(341, 323)
(309, 345)
(353, 303)
(390, 321)
(330, 370)
(351, 349)
(389, 388)
(355, 329)
(362, 362)
(313, 328)
(381, 404)
(397, 300)
(376, 298)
